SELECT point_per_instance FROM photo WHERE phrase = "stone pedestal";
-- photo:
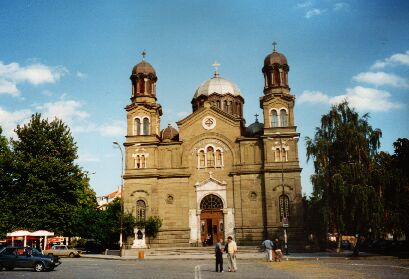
(139, 241)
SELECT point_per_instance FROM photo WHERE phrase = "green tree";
(343, 150)
(152, 227)
(6, 217)
(47, 188)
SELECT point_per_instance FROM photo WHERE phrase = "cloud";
(381, 78)
(81, 75)
(114, 129)
(315, 97)
(313, 12)
(66, 110)
(35, 74)
(362, 98)
(393, 60)
(340, 6)
(182, 113)
(87, 157)
(10, 119)
(304, 4)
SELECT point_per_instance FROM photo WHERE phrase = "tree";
(152, 226)
(46, 188)
(5, 181)
(343, 150)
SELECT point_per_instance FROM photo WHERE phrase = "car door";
(9, 257)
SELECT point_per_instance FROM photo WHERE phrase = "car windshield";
(35, 252)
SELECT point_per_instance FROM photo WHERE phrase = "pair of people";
(273, 249)
(231, 250)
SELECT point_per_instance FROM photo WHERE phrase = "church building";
(212, 176)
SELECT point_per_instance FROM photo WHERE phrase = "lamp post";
(283, 199)
(122, 200)
(121, 219)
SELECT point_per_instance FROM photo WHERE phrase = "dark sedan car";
(26, 257)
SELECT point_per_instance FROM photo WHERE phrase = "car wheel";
(71, 255)
(39, 267)
(9, 268)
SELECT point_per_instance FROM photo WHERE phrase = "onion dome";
(275, 58)
(255, 129)
(143, 68)
(275, 72)
(169, 133)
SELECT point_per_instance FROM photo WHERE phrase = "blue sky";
(73, 59)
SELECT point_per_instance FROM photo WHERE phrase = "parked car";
(346, 245)
(26, 257)
(62, 251)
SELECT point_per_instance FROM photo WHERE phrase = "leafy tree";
(47, 188)
(5, 181)
(343, 150)
(152, 226)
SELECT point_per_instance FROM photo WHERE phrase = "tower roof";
(143, 67)
(275, 57)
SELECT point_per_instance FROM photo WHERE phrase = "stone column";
(229, 224)
(194, 226)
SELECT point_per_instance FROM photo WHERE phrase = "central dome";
(217, 85)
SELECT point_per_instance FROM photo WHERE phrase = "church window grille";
(140, 210)
(283, 118)
(202, 159)
(219, 161)
(137, 126)
(210, 157)
(211, 202)
(146, 126)
(274, 119)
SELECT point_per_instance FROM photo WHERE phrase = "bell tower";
(144, 112)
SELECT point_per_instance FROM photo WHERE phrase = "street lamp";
(122, 196)
(283, 199)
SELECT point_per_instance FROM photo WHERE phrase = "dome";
(217, 85)
(169, 133)
(275, 58)
(255, 129)
(144, 68)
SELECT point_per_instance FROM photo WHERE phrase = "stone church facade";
(213, 176)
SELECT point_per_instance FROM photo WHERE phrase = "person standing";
(231, 254)
(219, 255)
(277, 250)
(268, 245)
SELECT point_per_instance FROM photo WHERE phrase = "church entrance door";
(211, 219)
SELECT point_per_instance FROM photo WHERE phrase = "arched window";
(219, 161)
(138, 162)
(143, 162)
(146, 126)
(140, 210)
(210, 157)
(141, 86)
(284, 206)
(276, 77)
(225, 106)
(202, 159)
(277, 154)
(274, 119)
(137, 126)
(211, 202)
(284, 155)
(218, 104)
(231, 107)
(283, 118)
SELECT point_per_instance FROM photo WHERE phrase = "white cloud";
(81, 75)
(35, 74)
(87, 157)
(10, 119)
(313, 12)
(304, 4)
(315, 97)
(395, 59)
(341, 6)
(114, 129)
(381, 78)
(362, 98)
(66, 110)
(182, 113)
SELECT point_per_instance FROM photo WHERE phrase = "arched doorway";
(211, 219)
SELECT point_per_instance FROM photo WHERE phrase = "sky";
(72, 60)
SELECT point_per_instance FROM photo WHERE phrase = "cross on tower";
(274, 46)
(143, 54)
(216, 68)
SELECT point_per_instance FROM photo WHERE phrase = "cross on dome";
(143, 55)
(216, 66)
(274, 45)
(256, 115)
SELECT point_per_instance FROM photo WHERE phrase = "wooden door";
(211, 226)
